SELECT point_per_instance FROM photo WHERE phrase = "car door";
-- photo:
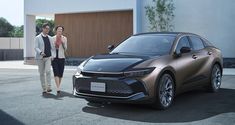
(185, 63)
(201, 57)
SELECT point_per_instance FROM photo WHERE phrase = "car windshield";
(153, 45)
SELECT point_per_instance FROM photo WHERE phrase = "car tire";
(165, 92)
(215, 79)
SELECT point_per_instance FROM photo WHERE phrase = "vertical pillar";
(29, 35)
(137, 17)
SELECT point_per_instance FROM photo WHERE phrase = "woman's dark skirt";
(58, 67)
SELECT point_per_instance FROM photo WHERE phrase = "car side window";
(183, 42)
(197, 43)
(207, 43)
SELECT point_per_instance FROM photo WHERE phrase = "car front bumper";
(120, 90)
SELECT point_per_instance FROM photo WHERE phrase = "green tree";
(40, 22)
(160, 15)
(18, 31)
(5, 28)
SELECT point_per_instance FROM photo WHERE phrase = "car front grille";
(113, 87)
(98, 74)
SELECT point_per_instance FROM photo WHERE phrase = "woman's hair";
(58, 27)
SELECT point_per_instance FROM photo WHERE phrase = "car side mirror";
(110, 47)
(185, 50)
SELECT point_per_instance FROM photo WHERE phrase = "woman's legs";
(61, 71)
(58, 68)
(57, 81)
(60, 79)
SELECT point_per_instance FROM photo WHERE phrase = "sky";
(13, 11)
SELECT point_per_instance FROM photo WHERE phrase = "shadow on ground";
(6, 119)
(58, 96)
(188, 107)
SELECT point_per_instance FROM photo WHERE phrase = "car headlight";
(138, 72)
(79, 69)
(78, 72)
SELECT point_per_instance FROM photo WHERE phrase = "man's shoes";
(49, 90)
(58, 92)
(44, 92)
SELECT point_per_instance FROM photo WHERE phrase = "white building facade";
(212, 19)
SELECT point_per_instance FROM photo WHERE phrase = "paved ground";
(21, 103)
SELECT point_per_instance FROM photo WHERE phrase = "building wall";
(52, 7)
(11, 43)
(212, 19)
(33, 8)
(72, 6)
(91, 33)
(11, 48)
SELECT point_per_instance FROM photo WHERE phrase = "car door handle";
(194, 57)
(209, 53)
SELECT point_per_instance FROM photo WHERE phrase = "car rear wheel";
(215, 79)
(164, 92)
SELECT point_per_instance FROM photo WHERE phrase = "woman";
(60, 45)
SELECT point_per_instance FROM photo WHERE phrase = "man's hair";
(58, 27)
(44, 25)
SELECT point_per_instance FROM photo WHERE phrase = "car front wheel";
(164, 92)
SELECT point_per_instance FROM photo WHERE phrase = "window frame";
(207, 43)
(193, 49)
(181, 37)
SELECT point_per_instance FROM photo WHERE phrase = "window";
(184, 42)
(146, 45)
(197, 43)
(207, 43)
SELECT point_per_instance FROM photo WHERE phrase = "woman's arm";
(64, 42)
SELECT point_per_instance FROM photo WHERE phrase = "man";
(43, 48)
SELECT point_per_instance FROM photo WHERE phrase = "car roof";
(165, 33)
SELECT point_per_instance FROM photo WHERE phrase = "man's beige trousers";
(44, 69)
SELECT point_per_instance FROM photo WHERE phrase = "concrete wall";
(73, 6)
(33, 8)
(51, 7)
(212, 19)
(11, 43)
(11, 54)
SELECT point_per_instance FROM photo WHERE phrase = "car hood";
(112, 62)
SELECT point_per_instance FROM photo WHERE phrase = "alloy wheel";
(166, 92)
(216, 77)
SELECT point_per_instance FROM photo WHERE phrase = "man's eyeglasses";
(47, 28)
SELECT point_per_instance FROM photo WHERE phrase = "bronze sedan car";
(150, 68)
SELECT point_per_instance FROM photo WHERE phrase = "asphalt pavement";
(21, 102)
